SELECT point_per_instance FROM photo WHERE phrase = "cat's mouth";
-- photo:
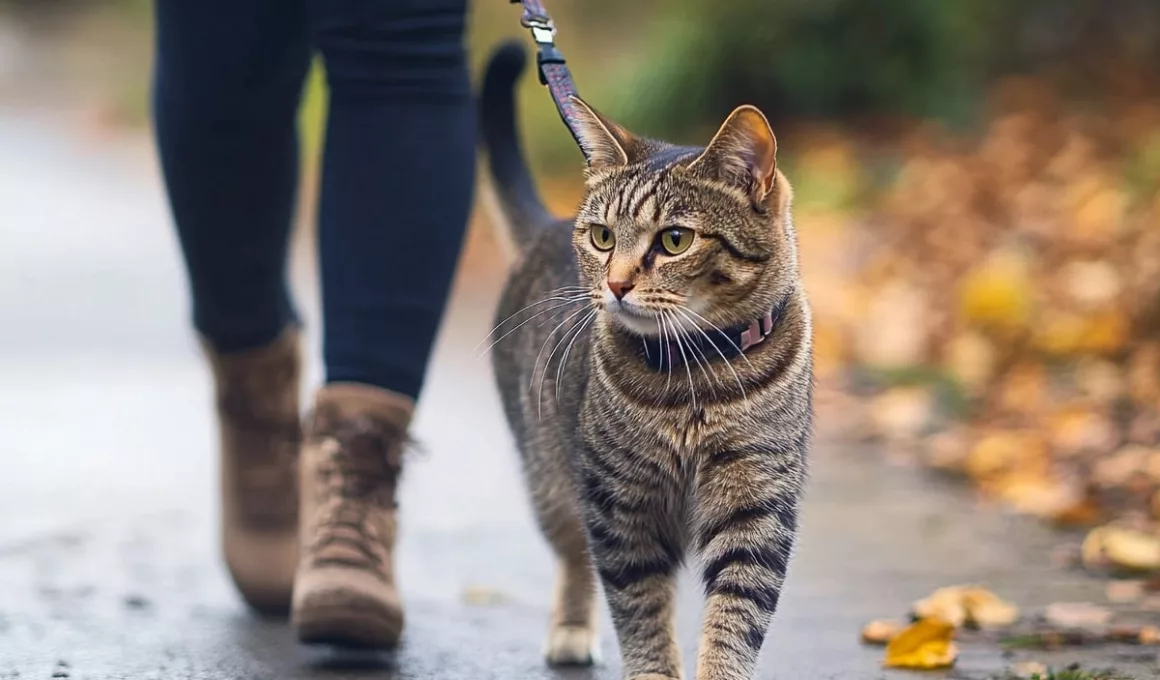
(635, 318)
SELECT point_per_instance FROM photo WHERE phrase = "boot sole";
(347, 627)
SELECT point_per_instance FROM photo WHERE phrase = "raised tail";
(519, 201)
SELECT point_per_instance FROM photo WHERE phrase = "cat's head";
(684, 235)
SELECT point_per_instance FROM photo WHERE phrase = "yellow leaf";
(1132, 549)
(1038, 494)
(1092, 552)
(1125, 548)
(1003, 450)
(1059, 333)
(1105, 331)
(997, 293)
(925, 644)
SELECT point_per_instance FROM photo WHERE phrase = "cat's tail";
(518, 200)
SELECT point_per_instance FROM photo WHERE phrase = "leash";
(553, 69)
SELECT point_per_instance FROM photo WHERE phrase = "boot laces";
(357, 476)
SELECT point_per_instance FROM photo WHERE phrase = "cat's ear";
(743, 153)
(603, 142)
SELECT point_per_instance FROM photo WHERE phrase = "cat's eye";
(676, 240)
(602, 237)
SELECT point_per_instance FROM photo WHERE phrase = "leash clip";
(543, 31)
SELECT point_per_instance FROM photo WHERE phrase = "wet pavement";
(108, 556)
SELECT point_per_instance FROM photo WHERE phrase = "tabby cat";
(655, 368)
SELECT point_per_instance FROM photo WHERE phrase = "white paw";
(572, 646)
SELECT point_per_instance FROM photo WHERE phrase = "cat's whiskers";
(666, 355)
(578, 326)
(566, 294)
(547, 339)
(723, 334)
(568, 351)
(684, 359)
(694, 351)
(563, 300)
(693, 323)
(561, 293)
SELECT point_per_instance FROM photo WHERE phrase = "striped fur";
(630, 469)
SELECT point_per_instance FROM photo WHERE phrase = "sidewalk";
(108, 554)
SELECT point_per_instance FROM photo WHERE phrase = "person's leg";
(226, 89)
(396, 190)
(396, 185)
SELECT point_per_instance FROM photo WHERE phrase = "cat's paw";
(572, 646)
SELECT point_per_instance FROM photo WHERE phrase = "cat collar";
(665, 353)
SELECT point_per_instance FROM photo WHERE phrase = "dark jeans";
(397, 172)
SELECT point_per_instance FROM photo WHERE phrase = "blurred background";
(977, 187)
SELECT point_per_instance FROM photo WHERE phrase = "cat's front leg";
(637, 550)
(745, 520)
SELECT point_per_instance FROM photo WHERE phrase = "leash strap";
(554, 73)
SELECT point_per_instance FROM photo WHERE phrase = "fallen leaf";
(1149, 635)
(1106, 331)
(945, 604)
(1029, 669)
(925, 644)
(1091, 284)
(987, 610)
(881, 631)
(902, 413)
(967, 605)
(1092, 553)
(1002, 450)
(1122, 592)
(1100, 380)
(997, 292)
(1116, 469)
(1077, 615)
(901, 342)
(482, 596)
(1045, 496)
(1074, 431)
(1085, 513)
(971, 359)
(1124, 632)
(1132, 549)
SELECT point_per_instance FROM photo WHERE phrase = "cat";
(654, 362)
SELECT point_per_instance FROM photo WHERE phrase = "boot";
(260, 427)
(344, 592)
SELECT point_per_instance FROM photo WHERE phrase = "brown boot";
(345, 592)
(257, 408)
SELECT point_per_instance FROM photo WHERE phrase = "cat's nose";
(620, 288)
